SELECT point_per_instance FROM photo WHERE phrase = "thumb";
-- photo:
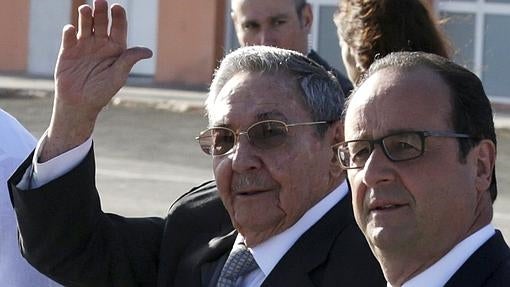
(130, 57)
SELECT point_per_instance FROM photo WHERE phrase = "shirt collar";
(268, 253)
(441, 271)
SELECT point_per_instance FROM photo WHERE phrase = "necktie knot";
(239, 263)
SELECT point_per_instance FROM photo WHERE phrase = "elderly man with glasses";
(278, 214)
(420, 151)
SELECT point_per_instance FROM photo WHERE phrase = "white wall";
(142, 30)
(47, 18)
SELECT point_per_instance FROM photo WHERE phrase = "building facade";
(189, 37)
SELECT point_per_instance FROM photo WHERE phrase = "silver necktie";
(239, 262)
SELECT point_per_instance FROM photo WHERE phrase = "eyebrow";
(279, 16)
(271, 19)
(404, 130)
(388, 132)
(250, 22)
(270, 115)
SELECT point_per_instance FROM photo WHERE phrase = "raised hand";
(92, 66)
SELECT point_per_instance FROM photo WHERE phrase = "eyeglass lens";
(264, 135)
(397, 147)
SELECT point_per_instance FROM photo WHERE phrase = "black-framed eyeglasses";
(265, 134)
(397, 147)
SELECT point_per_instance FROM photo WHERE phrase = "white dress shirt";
(15, 145)
(268, 253)
(38, 174)
(438, 274)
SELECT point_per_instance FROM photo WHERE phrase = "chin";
(258, 225)
(382, 237)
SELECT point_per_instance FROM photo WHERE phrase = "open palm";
(94, 64)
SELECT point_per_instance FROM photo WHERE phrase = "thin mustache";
(246, 182)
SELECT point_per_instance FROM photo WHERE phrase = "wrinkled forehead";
(252, 96)
(393, 100)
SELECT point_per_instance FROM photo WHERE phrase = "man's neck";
(399, 267)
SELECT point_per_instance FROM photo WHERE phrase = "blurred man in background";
(280, 23)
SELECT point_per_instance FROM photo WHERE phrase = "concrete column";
(14, 17)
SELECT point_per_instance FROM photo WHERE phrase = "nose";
(245, 156)
(267, 38)
(378, 168)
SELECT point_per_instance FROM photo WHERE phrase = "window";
(324, 37)
(479, 30)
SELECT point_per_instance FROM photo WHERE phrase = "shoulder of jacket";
(199, 196)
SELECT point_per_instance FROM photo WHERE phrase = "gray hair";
(320, 91)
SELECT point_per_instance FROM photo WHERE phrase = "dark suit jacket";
(489, 266)
(345, 83)
(65, 234)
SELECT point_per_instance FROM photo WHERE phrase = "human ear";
(485, 156)
(307, 17)
(233, 16)
(337, 129)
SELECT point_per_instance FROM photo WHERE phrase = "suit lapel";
(479, 266)
(298, 265)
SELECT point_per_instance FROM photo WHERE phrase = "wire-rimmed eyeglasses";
(397, 147)
(264, 135)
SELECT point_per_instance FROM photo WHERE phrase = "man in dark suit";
(279, 209)
(280, 23)
(420, 151)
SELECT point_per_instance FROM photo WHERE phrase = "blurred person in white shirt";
(15, 145)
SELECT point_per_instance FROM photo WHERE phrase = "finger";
(100, 18)
(84, 22)
(118, 30)
(68, 37)
(129, 58)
